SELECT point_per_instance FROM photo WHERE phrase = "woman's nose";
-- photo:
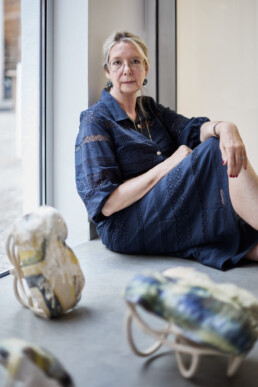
(127, 68)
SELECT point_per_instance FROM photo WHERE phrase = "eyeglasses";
(118, 64)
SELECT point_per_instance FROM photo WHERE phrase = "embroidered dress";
(187, 214)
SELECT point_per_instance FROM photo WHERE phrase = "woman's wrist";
(223, 126)
(210, 129)
(214, 128)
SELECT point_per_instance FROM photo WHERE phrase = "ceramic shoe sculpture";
(47, 275)
(204, 317)
(32, 365)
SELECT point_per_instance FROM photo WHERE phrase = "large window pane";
(10, 136)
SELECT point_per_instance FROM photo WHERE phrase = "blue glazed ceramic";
(221, 316)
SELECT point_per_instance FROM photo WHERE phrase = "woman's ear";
(146, 70)
(107, 73)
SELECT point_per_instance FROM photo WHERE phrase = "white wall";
(106, 17)
(217, 64)
(30, 16)
(70, 97)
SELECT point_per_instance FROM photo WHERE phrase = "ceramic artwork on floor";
(204, 317)
(32, 365)
(37, 250)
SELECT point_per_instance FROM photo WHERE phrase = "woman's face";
(126, 69)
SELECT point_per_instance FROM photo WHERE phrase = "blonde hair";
(125, 36)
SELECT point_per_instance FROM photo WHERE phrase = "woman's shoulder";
(97, 111)
(149, 102)
(151, 106)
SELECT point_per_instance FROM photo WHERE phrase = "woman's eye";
(135, 61)
(116, 62)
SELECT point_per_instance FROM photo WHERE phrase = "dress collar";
(113, 106)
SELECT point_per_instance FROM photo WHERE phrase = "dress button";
(158, 153)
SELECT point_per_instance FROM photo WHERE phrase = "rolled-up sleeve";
(97, 172)
(185, 131)
(190, 133)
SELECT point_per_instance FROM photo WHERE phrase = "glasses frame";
(133, 66)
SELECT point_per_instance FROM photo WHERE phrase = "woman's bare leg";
(243, 192)
(253, 253)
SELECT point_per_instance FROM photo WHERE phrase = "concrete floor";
(90, 341)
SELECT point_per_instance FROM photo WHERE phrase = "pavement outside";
(10, 180)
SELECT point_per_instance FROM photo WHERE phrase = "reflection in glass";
(10, 136)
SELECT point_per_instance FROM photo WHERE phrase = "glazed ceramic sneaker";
(47, 275)
(203, 317)
(32, 365)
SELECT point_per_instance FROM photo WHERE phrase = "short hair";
(125, 36)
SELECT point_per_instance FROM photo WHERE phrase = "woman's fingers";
(243, 159)
(232, 170)
(232, 149)
(223, 155)
(235, 158)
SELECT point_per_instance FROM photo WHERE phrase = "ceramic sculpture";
(32, 365)
(53, 278)
(204, 317)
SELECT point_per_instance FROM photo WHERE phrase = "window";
(19, 113)
(10, 121)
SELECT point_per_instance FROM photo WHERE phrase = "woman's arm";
(134, 189)
(231, 144)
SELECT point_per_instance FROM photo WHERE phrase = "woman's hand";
(231, 145)
(232, 148)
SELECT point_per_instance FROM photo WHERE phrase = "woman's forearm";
(134, 189)
(214, 128)
(211, 128)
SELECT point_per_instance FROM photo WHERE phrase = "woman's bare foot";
(253, 253)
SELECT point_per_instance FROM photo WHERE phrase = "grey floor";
(90, 341)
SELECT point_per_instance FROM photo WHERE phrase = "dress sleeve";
(97, 172)
(185, 131)
(190, 134)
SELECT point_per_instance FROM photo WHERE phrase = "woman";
(156, 182)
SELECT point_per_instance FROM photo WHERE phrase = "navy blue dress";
(187, 214)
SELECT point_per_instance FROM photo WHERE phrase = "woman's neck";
(128, 104)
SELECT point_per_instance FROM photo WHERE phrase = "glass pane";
(10, 136)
